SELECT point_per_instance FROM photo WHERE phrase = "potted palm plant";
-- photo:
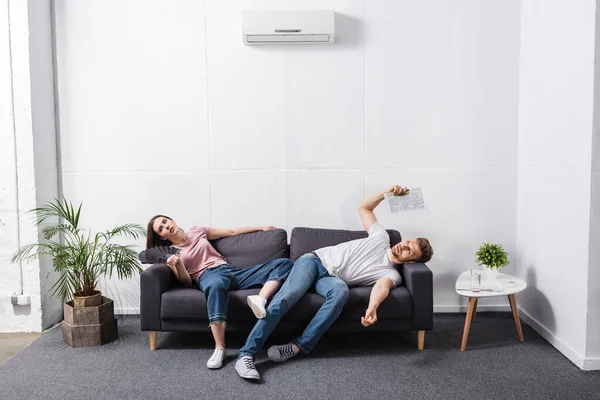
(82, 259)
(493, 257)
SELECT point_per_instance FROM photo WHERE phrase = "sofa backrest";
(253, 248)
(305, 240)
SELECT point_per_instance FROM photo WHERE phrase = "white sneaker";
(246, 369)
(216, 360)
(257, 304)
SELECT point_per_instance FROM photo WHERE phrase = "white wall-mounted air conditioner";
(281, 27)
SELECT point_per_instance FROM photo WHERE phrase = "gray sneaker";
(281, 353)
(246, 369)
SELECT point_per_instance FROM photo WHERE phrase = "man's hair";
(152, 238)
(426, 250)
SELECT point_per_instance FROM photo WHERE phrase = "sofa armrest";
(154, 281)
(418, 279)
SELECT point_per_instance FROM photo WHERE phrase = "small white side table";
(465, 280)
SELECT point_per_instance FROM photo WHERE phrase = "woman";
(199, 264)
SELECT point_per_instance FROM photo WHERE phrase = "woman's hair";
(153, 239)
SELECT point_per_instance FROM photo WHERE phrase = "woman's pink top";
(198, 254)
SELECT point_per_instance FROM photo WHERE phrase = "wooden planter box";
(89, 326)
(88, 301)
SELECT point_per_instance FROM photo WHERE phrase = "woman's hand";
(397, 190)
(172, 262)
(181, 274)
(268, 228)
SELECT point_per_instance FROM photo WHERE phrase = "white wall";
(28, 170)
(593, 301)
(164, 110)
(44, 133)
(556, 111)
(9, 228)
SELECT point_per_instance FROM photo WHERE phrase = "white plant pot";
(493, 273)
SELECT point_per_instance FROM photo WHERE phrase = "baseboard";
(127, 311)
(586, 364)
(463, 309)
(591, 364)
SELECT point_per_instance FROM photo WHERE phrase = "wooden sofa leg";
(421, 340)
(152, 340)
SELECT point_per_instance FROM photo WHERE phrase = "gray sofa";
(165, 305)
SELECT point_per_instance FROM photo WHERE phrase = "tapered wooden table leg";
(468, 319)
(475, 309)
(515, 312)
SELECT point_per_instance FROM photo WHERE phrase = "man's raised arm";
(366, 207)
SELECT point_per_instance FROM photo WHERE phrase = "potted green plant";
(493, 257)
(82, 259)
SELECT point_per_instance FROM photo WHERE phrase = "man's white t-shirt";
(361, 262)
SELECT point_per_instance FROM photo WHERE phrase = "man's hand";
(366, 207)
(397, 190)
(370, 317)
(268, 228)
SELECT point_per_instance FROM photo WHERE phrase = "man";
(329, 271)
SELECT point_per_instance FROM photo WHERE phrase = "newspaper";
(483, 288)
(410, 201)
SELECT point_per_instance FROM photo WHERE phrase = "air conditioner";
(281, 27)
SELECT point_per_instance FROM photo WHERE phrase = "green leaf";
(491, 255)
(80, 257)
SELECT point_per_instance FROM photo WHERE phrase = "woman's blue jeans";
(218, 281)
(308, 273)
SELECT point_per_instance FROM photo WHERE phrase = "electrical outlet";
(20, 300)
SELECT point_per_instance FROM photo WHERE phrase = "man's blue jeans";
(308, 272)
(218, 281)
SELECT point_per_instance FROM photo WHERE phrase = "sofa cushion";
(253, 248)
(305, 240)
(183, 303)
(190, 303)
(397, 305)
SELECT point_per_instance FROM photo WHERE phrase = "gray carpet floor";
(353, 366)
